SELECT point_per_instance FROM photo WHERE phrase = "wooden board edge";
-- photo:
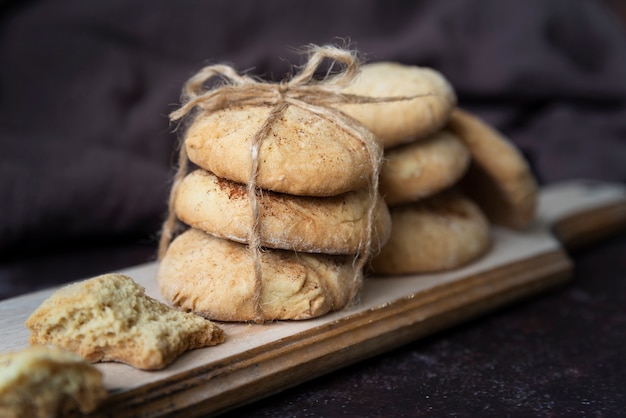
(583, 229)
(266, 370)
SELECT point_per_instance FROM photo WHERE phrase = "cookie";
(404, 120)
(438, 233)
(423, 168)
(499, 178)
(303, 154)
(110, 318)
(215, 278)
(42, 381)
(330, 225)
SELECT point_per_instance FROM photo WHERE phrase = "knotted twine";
(302, 90)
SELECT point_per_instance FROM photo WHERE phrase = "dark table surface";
(557, 354)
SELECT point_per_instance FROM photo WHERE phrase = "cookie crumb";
(110, 318)
(43, 381)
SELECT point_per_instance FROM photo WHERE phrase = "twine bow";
(302, 90)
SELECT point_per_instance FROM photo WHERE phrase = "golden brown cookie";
(215, 278)
(42, 382)
(499, 178)
(438, 233)
(110, 318)
(422, 168)
(330, 225)
(401, 121)
(303, 154)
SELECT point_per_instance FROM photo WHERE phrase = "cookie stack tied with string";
(283, 211)
(447, 176)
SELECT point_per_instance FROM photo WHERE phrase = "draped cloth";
(87, 149)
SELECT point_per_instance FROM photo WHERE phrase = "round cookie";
(438, 233)
(422, 168)
(330, 225)
(499, 178)
(303, 153)
(405, 120)
(214, 277)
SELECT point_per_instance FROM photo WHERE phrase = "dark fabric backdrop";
(86, 149)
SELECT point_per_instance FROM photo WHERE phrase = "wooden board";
(258, 360)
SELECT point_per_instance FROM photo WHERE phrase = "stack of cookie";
(313, 218)
(447, 175)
